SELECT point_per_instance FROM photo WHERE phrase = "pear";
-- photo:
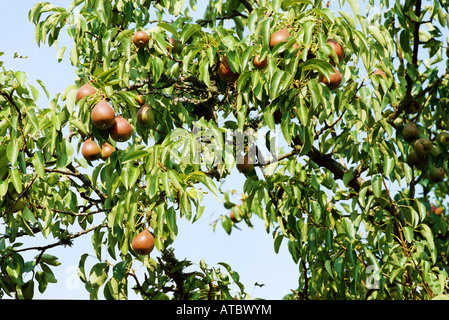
(143, 243)
(423, 147)
(121, 130)
(259, 64)
(145, 116)
(103, 115)
(338, 49)
(278, 37)
(436, 174)
(246, 166)
(140, 39)
(106, 150)
(443, 138)
(90, 150)
(225, 72)
(334, 79)
(410, 132)
(84, 91)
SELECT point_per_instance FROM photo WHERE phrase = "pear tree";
(334, 178)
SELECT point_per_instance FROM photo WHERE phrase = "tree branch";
(63, 241)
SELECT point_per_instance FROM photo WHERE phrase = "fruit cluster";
(422, 148)
(103, 115)
(104, 118)
(226, 74)
(119, 129)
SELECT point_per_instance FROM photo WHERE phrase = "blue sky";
(249, 251)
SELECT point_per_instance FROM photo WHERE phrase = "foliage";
(355, 213)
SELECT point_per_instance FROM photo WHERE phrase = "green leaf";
(303, 111)
(328, 266)
(349, 229)
(321, 66)
(98, 274)
(28, 215)
(129, 176)
(79, 125)
(169, 27)
(377, 185)
(188, 31)
(408, 234)
(275, 84)
(12, 151)
(16, 178)
(48, 259)
(308, 32)
(275, 5)
(60, 53)
(43, 87)
(268, 117)
(226, 223)
(377, 34)
(20, 77)
(252, 20)
(161, 45)
(355, 7)
(171, 221)
(156, 67)
(388, 165)
(266, 32)
(134, 155)
(339, 265)
(326, 13)
(204, 179)
(153, 185)
(427, 234)
(277, 242)
(31, 114)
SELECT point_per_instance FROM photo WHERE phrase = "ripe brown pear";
(338, 49)
(334, 79)
(90, 150)
(232, 215)
(143, 243)
(121, 129)
(103, 115)
(84, 91)
(225, 72)
(410, 132)
(140, 99)
(106, 150)
(260, 64)
(145, 116)
(140, 39)
(415, 160)
(175, 46)
(278, 37)
(246, 166)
